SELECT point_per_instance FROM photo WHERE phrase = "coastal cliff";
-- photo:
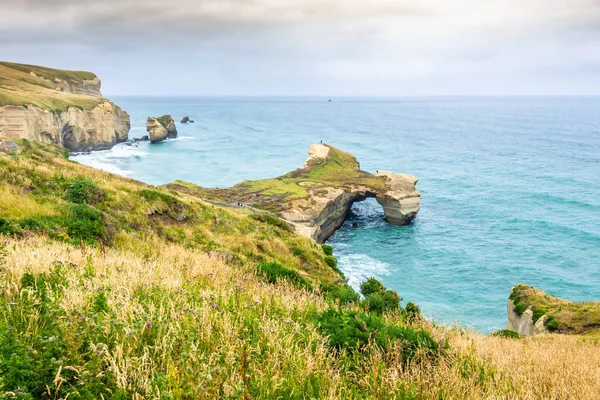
(59, 107)
(533, 312)
(316, 198)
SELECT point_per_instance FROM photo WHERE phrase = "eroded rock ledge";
(316, 198)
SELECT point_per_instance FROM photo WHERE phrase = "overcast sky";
(313, 47)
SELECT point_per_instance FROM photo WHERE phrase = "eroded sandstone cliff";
(61, 107)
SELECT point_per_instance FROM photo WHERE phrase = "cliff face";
(60, 107)
(316, 198)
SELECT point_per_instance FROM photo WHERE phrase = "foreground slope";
(115, 289)
(57, 106)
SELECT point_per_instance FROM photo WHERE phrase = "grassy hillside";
(115, 289)
(26, 85)
(561, 315)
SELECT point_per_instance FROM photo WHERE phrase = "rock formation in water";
(532, 312)
(316, 198)
(57, 106)
(186, 119)
(161, 128)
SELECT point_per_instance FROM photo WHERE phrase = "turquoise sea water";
(510, 186)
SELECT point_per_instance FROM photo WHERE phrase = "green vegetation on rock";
(562, 316)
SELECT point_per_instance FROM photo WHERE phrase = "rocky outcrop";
(186, 120)
(533, 312)
(316, 198)
(8, 146)
(60, 107)
(161, 128)
(523, 323)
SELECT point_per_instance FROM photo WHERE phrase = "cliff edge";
(532, 312)
(57, 106)
(316, 198)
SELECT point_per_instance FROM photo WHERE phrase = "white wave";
(125, 151)
(360, 267)
(185, 138)
(104, 166)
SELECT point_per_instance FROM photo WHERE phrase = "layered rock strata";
(60, 107)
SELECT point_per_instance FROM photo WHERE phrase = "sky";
(313, 47)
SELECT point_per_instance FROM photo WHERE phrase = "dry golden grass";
(200, 296)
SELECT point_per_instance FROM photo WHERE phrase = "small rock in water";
(355, 224)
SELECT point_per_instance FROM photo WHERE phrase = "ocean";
(510, 186)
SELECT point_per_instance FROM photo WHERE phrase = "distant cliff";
(57, 106)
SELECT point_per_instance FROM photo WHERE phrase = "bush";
(550, 323)
(327, 249)
(273, 271)
(382, 302)
(351, 330)
(85, 223)
(506, 333)
(520, 308)
(82, 191)
(371, 286)
(538, 313)
(412, 311)
(344, 294)
(8, 228)
(331, 261)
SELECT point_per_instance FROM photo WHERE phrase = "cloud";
(314, 46)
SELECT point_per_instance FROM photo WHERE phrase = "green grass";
(164, 120)
(19, 88)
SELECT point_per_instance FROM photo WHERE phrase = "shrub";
(82, 191)
(327, 249)
(371, 286)
(520, 308)
(382, 302)
(506, 333)
(344, 294)
(551, 323)
(331, 261)
(85, 223)
(538, 313)
(7, 227)
(412, 311)
(271, 221)
(351, 330)
(273, 271)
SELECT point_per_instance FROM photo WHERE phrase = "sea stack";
(161, 128)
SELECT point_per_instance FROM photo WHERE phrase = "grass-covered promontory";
(31, 85)
(340, 169)
(561, 316)
(112, 289)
